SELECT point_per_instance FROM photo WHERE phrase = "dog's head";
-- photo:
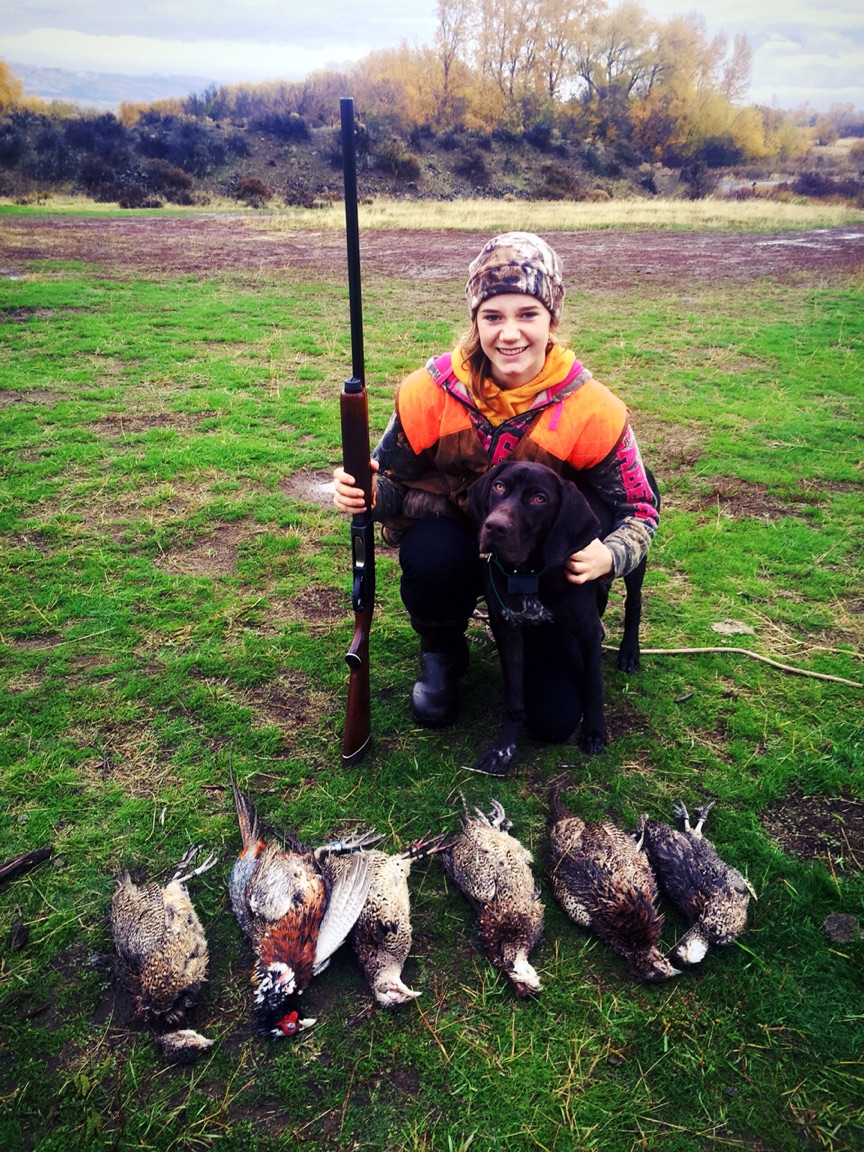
(529, 514)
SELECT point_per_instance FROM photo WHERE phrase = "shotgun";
(356, 461)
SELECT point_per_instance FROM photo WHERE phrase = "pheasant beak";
(525, 979)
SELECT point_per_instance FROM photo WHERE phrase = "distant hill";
(103, 90)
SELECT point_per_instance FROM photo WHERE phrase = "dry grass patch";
(216, 555)
(129, 754)
(566, 215)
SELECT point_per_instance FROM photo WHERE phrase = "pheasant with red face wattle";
(294, 918)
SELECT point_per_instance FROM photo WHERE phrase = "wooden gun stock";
(356, 462)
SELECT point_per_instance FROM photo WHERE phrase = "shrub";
(539, 135)
(173, 183)
(13, 144)
(102, 135)
(472, 166)
(252, 191)
(449, 140)
(395, 159)
(818, 185)
(719, 152)
(137, 198)
(700, 179)
(559, 182)
(283, 125)
(194, 145)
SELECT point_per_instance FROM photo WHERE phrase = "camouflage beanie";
(516, 262)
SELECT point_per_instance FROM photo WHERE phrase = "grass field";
(175, 604)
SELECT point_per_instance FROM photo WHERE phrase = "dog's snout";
(497, 527)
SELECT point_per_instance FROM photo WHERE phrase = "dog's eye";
(498, 486)
(539, 498)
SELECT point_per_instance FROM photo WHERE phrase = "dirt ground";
(612, 261)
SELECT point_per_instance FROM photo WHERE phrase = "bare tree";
(737, 70)
(455, 19)
(560, 22)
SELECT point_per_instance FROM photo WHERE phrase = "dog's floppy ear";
(573, 527)
(478, 495)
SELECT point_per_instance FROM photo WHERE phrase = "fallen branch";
(23, 862)
(744, 652)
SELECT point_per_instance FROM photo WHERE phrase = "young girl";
(510, 390)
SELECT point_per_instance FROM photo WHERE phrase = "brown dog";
(531, 519)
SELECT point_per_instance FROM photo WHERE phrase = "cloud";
(224, 62)
(227, 41)
(259, 22)
(803, 52)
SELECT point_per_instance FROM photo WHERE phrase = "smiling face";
(514, 334)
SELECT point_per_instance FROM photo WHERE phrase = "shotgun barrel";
(356, 462)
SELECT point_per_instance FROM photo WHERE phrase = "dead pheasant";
(294, 918)
(711, 895)
(162, 950)
(493, 871)
(604, 882)
(382, 936)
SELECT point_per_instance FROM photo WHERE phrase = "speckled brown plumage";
(604, 882)
(711, 895)
(382, 935)
(493, 870)
(294, 917)
(161, 947)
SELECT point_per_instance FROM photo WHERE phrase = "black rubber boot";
(443, 660)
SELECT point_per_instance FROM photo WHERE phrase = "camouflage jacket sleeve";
(396, 461)
(621, 480)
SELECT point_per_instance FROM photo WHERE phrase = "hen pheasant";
(493, 871)
(711, 895)
(161, 950)
(604, 882)
(294, 918)
(382, 935)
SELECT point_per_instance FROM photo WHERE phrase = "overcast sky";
(804, 51)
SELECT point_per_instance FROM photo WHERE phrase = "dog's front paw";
(592, 740)
(495, 761)
(628, 659)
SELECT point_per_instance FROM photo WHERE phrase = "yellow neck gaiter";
(500, 404)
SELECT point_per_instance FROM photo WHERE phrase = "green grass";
(175, 602)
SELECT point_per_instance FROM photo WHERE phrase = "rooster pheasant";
(711, 895)
(294, 918)
(493, 871)
(604, 882)
(162, 951)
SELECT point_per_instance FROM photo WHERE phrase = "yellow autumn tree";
(686, 107)
(11, 88)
